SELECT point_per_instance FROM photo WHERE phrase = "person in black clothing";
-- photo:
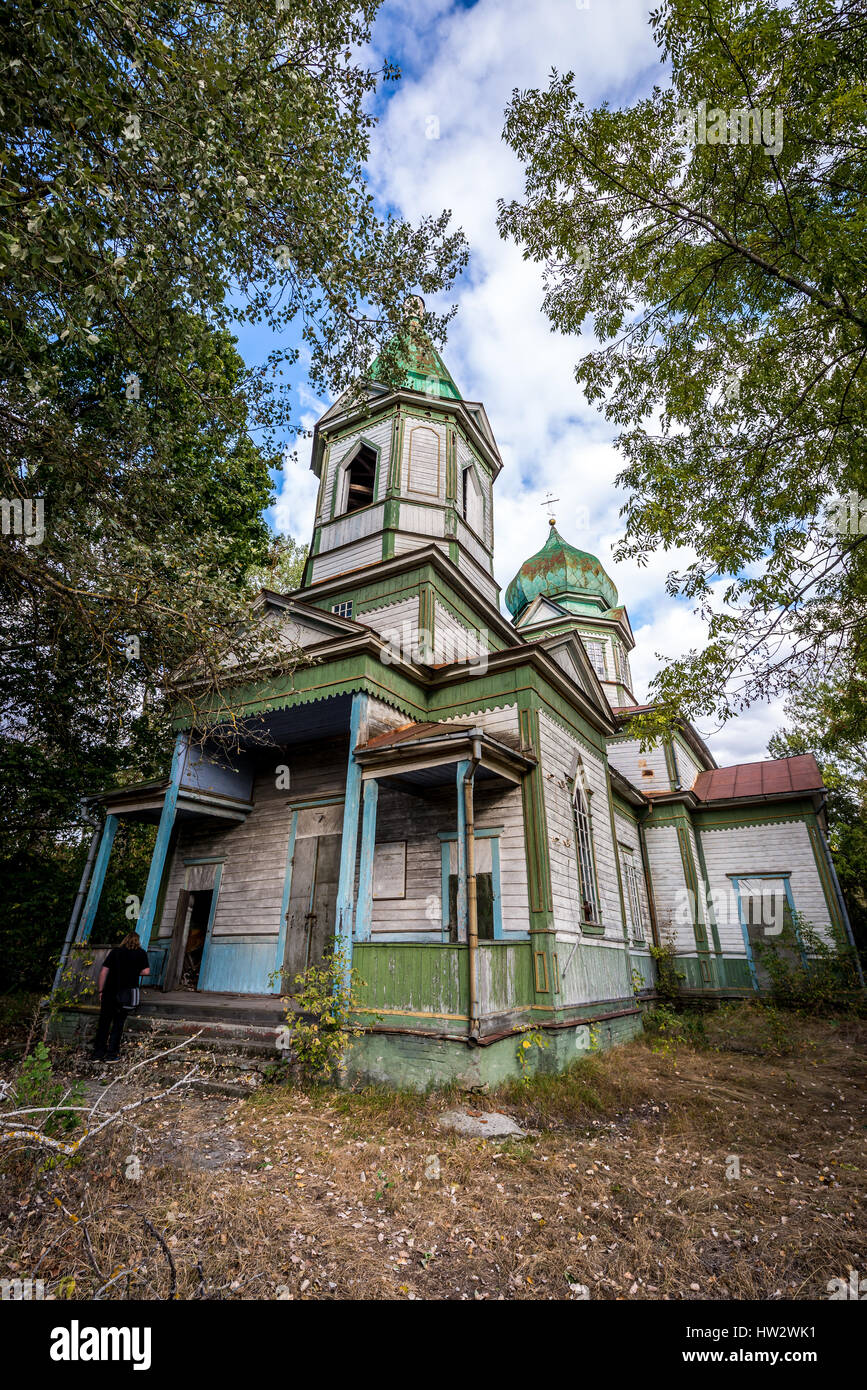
(121, 970)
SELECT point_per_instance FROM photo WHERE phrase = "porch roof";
(143, 801)
(425, 754)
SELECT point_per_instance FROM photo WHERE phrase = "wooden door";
(312, 910)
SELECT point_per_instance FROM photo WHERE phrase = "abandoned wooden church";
(453, 794)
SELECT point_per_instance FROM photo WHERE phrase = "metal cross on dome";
(549, 503)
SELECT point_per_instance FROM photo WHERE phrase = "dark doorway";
(312, 903)
(200, 914)
(188, 939)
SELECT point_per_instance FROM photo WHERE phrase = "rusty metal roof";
(773, 777)
(413, 731)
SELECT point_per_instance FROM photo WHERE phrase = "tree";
(715, 232)
(830, 721)
(169, 170)
(172, 169)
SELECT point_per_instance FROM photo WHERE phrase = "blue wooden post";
(349, 842)
(462, 853)
(94, 892)
(280, 953)
(364, 911)
(164, 831)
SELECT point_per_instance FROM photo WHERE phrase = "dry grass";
(619, 1186)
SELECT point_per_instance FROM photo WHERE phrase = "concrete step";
(260, 1039)
(223, 1009)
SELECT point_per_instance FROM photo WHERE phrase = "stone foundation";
(412, 1062)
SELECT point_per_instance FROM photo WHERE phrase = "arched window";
(584, 852)
(359, 480)
(596, 652)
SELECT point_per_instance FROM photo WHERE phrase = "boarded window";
(485, 888)
(389, 869)
(424, 461)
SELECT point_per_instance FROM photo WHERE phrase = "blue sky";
(438, 144)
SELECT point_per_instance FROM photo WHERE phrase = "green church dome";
(560, 572)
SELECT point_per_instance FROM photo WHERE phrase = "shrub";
(37, 1089)
(809, 972)
(668, 978)
(319, 1022)
(668, 1030)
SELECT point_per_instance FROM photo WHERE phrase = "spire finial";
(549, 503)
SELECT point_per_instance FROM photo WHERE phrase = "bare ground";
(624, 1187)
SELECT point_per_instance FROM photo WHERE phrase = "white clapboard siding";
(417, 821)
(687, 764)
(353, 527)
(762, 849)
(454, 641)
(505, 808)
(425, 453)
(477, 576)
(566, 663)
(467, 539)
(669, 886)
(558, 756)
(502, 720)
(404, 542)
(422, 521)
(397, 624)
(382, 718)
(628, 758)
(365, 552)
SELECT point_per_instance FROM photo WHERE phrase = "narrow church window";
(472, 502)
(596, 653)
(621, 664)
(634, 911)
(584, 847)
(360, 476)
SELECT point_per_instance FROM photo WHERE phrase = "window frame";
(635, 911)
(581, 794)
(481, 531)
(449, 837)
(596, 642)
(339, 493)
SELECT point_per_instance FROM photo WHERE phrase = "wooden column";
(94, 892)
(364, 910)
(164, 833)
(462, 768)
(349, 842)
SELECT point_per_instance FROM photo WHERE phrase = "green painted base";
(73, 1025)
(410, 1062)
